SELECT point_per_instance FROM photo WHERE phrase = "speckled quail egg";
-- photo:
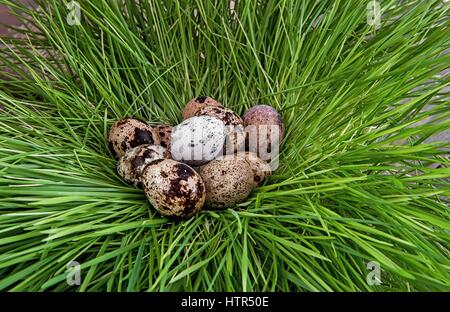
(195, 104)
(234, 126)
(265, 130)
(197, 140)
(131, 165)
(128, 133)
(228, 180)
(260, 168)
(173, 188)
(164, 133)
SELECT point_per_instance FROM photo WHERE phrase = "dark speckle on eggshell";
(142, 136)
(157, 161)
(124, 143)
(201, 99)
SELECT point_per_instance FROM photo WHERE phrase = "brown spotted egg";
(164, 133)
(234, 125)
(261, 169)
(128, 133)
(228, 180)
(265, 130)
(173, 188)
(195, 104)
(131, 165)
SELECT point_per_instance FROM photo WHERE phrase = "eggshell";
(228, 180)
(131, 165)
(173, 188)
(165, 134)
(234, 126)
(261, 169)
(261, 139)
(128, 133)
(197, 140)
(196, 103)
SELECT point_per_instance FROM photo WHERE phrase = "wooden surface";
(6, 18)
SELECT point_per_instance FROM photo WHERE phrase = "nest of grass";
(345, 194)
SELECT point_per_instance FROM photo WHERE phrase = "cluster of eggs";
(201, 161)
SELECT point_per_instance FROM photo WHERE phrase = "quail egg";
(173, 188)
(265, 130)
(131, 165)
(197, 140)
(164, 134)
(234, 126)
(260, 168)
(128, 133)
(228, 180)
(195, 104)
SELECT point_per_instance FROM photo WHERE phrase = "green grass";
(346, 192)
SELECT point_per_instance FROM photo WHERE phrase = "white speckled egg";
(131, 165)
(197, 140)
(233, 123)
(173, 188)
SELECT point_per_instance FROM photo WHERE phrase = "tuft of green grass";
(347, 192)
